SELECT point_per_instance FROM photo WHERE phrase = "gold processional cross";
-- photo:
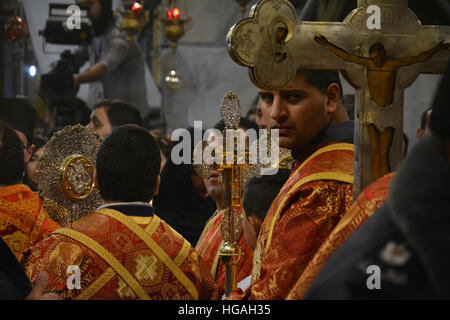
(232, 158)
(379, 60)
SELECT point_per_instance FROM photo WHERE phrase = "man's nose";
(279, 111)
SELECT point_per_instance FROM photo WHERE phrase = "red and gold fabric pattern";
(23, 220)
(121, 257)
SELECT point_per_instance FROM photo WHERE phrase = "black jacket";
(14, 284)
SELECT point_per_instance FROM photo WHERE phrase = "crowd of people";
(157, 229)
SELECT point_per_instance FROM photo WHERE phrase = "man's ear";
(29, 152)
(157, 183)
(332, 96)
(256, 223)
(95, 176)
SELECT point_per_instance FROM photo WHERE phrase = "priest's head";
(110, 114)
(213, 182)
(128, 165)
(21, 116)
(12, 165)
(302, 110)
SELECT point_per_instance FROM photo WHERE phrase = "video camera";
(57, 32)
(58, 90)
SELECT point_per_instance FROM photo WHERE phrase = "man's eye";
(294, 98)
(266, 97)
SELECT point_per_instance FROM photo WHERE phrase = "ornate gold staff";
(236, 171)
(232, 176)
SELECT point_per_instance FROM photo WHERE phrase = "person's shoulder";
(92, 224)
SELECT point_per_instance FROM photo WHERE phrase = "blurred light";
(174, 80)
(136, 7)
(16, 28)
(169, 15)
(176, 13)
(32, 71)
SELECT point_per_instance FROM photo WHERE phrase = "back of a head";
(20, 115)
(12, 163)
(120, 113)
(128, 165)
(260, 192)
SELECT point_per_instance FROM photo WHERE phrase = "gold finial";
(230, 110)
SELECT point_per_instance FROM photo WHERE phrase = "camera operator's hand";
(95, 73)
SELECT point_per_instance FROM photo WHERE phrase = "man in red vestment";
(123, 250)
(23, 220)
(313, 124)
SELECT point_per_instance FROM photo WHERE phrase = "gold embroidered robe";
(310, 204)
(23, 220)
(121, 257)
(208, 247)
(372, 197)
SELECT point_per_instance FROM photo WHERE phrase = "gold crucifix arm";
(402, 62)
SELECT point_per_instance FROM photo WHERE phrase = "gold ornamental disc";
(76, 174)
(65, 174)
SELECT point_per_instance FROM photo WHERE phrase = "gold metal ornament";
(174, 29)
(65, 174)
(134, 19)
(174, 80)
(76, 177)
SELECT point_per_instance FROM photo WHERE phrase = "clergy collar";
(337, 132)
(135, 209)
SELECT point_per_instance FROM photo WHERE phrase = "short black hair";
(260, 192)
(128, 164)
(321, 79)
(12, 164)
(120, 112)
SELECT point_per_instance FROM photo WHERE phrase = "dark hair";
(82, 112)
(321, 79)
(253, 107)
(128, 164)
(38, 142)
(250, 112)
(107, 8)
(423, 119)
(260, 192)
(12, 163)
(120, 113)
(244, 123)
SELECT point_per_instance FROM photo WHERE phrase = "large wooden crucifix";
(378, 58)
